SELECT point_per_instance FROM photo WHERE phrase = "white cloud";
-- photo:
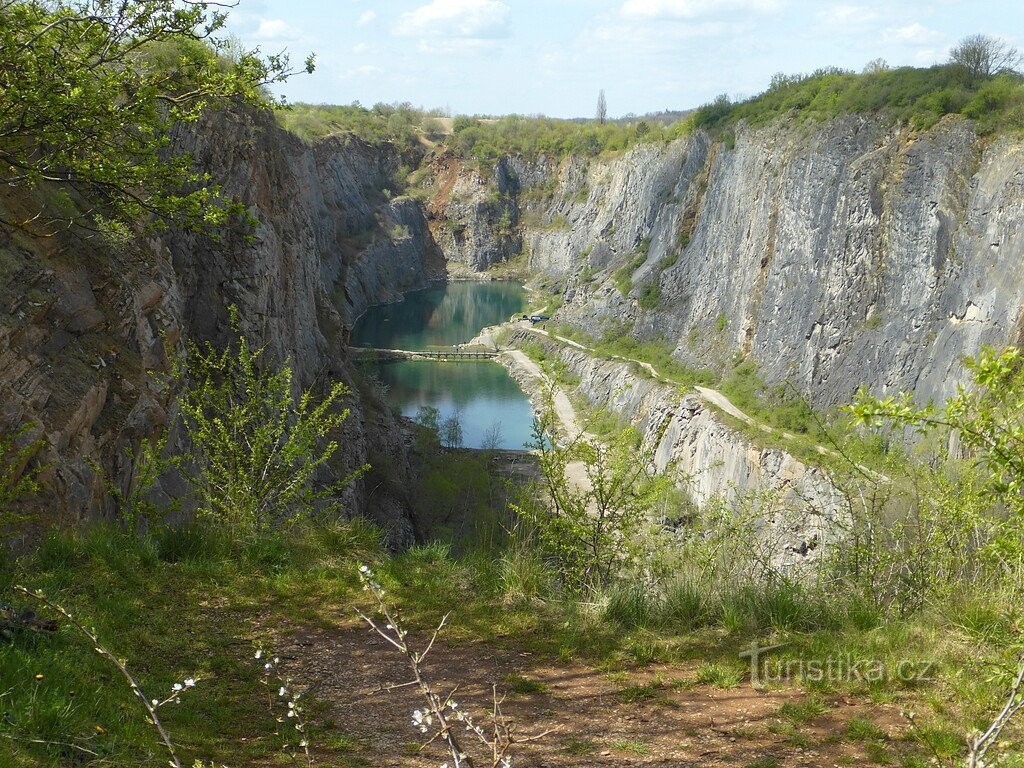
(912, 34)
(365, 18)
(275, 31)
(366, 70)
(689, 9)
(467, 19)
(845, 15)
(360, 48)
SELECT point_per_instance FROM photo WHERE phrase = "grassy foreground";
(186, 603)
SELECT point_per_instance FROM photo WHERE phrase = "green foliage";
(399, 232)
(398, 124)
(623, 276)
(916, 96)
(257, 450)
(594, 516)
(650, 295)
(488, 140)
(149, 462)
(18, 476)
(988, 419)
(617, 342)
(779, 405)
(92, 91)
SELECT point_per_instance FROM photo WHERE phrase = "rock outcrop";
(833, 254)
(799, 508)
(83, 349)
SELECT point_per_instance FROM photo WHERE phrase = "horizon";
(526, 57)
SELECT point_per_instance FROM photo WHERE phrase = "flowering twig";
(287, 694)
(980, 744)
(442, 716)
(151, 705)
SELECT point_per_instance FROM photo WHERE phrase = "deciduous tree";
(89, 93)
(984, 56)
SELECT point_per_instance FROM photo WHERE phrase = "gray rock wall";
(833, 254)
(799, 508)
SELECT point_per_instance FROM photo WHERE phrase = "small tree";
(493, 437)
(602, 108)
(257, 450)
(876, 66)
(598, 504)
(984, 56)
(451, 430)
(988, 421)
(91, 90)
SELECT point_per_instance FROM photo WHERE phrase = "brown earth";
(670, 721)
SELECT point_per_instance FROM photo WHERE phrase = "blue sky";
(553, 56)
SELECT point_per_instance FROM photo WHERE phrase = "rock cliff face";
(833, 254)
(799, 507)
(474, 218)
(83, 350)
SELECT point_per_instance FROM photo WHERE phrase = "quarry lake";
(482, 392)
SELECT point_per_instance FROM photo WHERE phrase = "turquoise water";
(440, 316)
(481, 392)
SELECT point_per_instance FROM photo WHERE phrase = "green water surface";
(481, 392)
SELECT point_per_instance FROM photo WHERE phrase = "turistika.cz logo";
(845, 668)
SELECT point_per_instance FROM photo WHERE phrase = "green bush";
(488, 140)
(917, 96)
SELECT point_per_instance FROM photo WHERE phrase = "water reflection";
(440, 316)
(481, 392)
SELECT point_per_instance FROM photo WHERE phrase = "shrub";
(257, 450)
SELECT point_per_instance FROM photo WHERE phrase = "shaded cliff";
(83, 338)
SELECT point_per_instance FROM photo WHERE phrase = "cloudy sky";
(553, 56)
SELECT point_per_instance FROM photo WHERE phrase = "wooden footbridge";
(453, 353)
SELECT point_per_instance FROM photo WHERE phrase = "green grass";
(719, 675)
(862, 729)
(632, 746)
(577, 746)
(633, 694)
(181, 603)
(522, 685)
(803, 711)
(175, 605)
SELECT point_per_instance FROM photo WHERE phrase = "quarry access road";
(711, 396)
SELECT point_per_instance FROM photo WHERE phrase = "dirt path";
(655, 716)
(709, 395)
(575, 471)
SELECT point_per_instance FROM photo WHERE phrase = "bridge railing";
(428, 354)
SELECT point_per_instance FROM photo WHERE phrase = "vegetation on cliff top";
(979, 83)
(919, 97)
(91, 92)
